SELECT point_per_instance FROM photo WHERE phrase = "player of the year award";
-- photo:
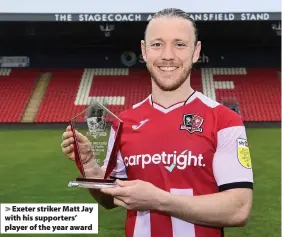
(95, 123)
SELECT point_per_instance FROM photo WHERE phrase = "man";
(184, 179)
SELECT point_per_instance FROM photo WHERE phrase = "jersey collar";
(174, 106)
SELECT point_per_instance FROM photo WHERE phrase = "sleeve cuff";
(228, 186)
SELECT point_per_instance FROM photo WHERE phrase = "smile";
(168, 69)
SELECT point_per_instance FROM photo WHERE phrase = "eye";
(179, 44)
(156, 44)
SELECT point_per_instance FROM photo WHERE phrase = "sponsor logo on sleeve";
(243, 152)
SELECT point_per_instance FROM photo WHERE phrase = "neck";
(169, 98)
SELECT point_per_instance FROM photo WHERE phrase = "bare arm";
(225, 209)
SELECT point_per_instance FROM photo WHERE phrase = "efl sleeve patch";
(243, 153)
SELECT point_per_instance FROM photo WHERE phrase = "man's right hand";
(88, 160)
(83, 143)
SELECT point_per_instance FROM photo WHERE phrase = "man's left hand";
(135, 195)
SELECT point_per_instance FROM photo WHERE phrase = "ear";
(197, 52)
(143, 49)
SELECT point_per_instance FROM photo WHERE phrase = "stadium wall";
(132, 58)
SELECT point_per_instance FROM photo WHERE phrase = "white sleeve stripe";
(120, 170)
(226, 133)
(227, 167)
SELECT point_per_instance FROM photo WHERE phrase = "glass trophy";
(95, 125)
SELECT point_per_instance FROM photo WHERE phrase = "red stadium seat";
(258, 94)
(134, 84)
(256, 91)
(16, 88)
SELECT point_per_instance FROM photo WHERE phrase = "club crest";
(192, 123)
(95, 124)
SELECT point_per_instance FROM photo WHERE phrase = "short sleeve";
(119, 171)
(232, 165)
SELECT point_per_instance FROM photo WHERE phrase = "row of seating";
(16, 87)
(256, 91)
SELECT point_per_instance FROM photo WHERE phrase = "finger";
(67, 150)
(68, 129)
(114, 191)
(67, 135)
(124, 183)
(71, 156)
(123, 199)
(67, 142)
(80, 137)
(120, 203)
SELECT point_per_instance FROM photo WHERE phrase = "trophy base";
(92, 183)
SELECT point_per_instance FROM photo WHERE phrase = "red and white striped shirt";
(192, 148)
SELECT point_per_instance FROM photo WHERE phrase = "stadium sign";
(134, 17)
(124, 10)
(130, 58)
(14, 61)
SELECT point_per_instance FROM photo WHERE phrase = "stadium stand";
(58, 102)
(254, 93)
(16, 88)
(258, 94)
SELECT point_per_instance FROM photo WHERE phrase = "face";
(169, 51)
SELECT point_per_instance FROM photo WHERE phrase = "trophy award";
(95, 124)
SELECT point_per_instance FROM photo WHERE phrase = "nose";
(167, 53)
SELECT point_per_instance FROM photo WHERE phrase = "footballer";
(184, 166)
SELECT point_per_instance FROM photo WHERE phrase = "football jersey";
(195, 147)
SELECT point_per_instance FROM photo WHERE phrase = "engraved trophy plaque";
(96, 131)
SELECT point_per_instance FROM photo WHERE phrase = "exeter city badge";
(192, 123)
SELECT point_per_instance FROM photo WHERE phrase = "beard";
(174, 84)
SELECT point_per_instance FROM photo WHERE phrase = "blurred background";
(53, 62)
